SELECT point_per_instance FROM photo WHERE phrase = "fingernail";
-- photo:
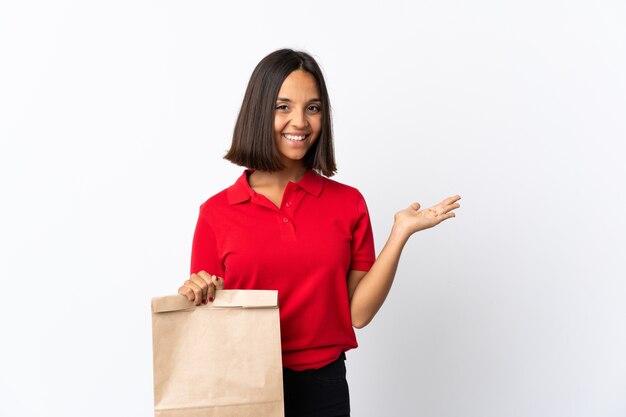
(203, 301)
(211, 299)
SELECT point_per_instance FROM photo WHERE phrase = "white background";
(114, 117)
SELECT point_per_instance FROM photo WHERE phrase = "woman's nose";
(299, 119)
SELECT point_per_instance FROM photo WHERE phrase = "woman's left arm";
(368, 290)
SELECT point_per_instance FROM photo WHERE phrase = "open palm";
(412, 219)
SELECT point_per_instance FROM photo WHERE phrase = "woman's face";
(297, 117)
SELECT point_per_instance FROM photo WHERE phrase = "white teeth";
(292, 137)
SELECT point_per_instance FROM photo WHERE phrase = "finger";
(415, 206)
(211, 292)
(207, 279)
(197, 291)
(219, 282)
(448, 208)
(452, 199)
(202, 283)
(187, 292)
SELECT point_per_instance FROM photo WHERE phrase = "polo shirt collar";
(241, 191)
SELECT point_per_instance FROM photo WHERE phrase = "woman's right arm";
(206, 268)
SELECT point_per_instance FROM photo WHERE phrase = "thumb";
(415, 206)
(219, 282)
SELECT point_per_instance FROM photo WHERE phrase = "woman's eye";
(314, 108)
(282, 107)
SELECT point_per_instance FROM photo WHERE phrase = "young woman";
(285, 225)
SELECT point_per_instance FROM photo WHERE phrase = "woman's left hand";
(412, 219)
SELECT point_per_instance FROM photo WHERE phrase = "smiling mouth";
(294, 138)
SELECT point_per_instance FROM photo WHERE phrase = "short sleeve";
(363, 255)
(205, 248)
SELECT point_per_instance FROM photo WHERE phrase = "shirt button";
(289, 204)
(285, 220)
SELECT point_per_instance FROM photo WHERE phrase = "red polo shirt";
(304, 249)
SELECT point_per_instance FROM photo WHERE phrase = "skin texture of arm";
(367, 290)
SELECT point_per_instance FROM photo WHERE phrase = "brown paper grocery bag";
(222, 359)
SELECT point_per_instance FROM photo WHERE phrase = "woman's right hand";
(201, 287)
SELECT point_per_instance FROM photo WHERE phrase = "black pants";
(317, 392)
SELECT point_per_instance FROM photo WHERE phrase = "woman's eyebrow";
(288, 100)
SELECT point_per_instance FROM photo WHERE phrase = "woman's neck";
(277, 179)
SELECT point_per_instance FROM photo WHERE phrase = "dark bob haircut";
(253, 143)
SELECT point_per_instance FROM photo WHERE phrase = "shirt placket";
(285, 214)
(286, 211)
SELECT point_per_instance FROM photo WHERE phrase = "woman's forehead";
(299, 85)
